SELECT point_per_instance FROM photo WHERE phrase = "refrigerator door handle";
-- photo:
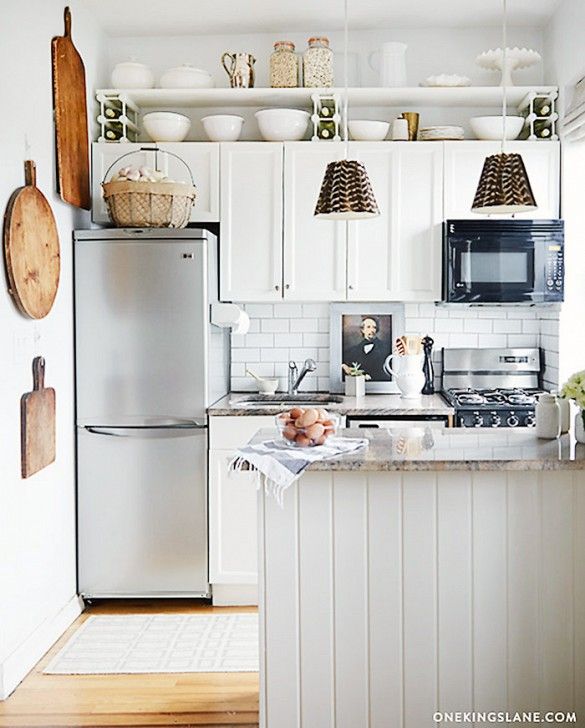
(168, 431)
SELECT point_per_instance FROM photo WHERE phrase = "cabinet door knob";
(287, 286)
(277, 287)
(350, 288)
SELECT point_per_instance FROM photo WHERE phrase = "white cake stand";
(516, 58)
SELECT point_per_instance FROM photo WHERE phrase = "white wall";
(37, 515)
(565, 66)
(430, 51)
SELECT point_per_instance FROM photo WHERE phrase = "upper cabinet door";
(314, 249)
(397, 256)
(202, 158)
(251, 221)
(464, 162)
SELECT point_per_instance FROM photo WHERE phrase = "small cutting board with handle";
(70, 105)
(37, 423)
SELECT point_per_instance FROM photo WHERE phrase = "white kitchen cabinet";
(251, 221)
(464, 162)
(397, 256)
(202, 158)
(314, 249)
(233, 543)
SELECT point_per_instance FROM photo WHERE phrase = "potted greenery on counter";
(355, 380)
(574, 388)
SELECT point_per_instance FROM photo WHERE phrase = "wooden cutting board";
(70, 107)
(37, 423)
(31, 248)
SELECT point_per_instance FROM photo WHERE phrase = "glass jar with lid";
(318, 63)
(284, 65)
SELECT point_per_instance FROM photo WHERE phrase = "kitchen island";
(434, 571)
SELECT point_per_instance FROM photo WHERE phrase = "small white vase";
(579, 427)
(355, 386)
(409, 377)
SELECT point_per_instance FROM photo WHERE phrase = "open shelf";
(469, 96)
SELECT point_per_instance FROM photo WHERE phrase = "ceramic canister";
(548, 417)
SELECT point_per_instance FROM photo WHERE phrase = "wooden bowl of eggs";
(306, 427)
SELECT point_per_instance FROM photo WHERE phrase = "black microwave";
(503, 261)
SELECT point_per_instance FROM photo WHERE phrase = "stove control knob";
(512, 420)
(495, 419)
(462, 422)
(477, 420)
(530, 421)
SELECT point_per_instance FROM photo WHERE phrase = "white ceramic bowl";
(166, 126)
(223, 127)
(131, 74)
(282, 125)
(491, 128)
(368, 131)
(186, 76)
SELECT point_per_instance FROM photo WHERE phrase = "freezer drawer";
(142, 511)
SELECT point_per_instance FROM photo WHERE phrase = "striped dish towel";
(280, 465)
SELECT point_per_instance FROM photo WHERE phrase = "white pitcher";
(390, 63)
(410, 377)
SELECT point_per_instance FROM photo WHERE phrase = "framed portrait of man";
(362, 335)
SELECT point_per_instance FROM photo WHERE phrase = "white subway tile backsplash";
(288, 340)
(283, 331)
(302, 325)
(275, 325)
(492, 340)
(259, 310)
(288, 310)
(507, 326)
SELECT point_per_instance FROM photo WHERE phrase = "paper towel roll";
(242, 325)
(230, 315)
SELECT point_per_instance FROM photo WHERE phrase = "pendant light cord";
(505, 74)
(345, 74)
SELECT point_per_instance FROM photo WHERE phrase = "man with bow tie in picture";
(371, 353)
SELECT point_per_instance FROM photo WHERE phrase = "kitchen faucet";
(294, 381)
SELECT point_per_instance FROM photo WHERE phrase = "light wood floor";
(181, 700)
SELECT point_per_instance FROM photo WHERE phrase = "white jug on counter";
(548, 417)
(409, 375)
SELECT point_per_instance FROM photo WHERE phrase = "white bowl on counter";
(166, 126)
(491, 128)
(223, 127)
(131, 74)
(282, 125)
(365, 130)
(186, 76)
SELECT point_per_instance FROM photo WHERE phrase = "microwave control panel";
(554, 272)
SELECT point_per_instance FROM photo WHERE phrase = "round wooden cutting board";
(31, 248)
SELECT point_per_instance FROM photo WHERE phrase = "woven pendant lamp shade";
(504, 186)
(346, 192)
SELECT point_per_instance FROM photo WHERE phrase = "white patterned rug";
(137, 643)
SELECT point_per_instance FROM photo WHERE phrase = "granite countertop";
(370, 405)
(424, 448)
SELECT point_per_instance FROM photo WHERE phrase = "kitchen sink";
(254, 401)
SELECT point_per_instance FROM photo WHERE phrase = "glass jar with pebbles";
(318, 64)
(284, 65)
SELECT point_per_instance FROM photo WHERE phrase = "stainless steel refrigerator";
(148, 364)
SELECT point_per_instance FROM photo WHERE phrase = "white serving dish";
(282, 125)
(440, 133)
(446, 80)
(131, 74)
(166, 126)
(491, 128)
(186, 76)
(223, 127)
(368, 131)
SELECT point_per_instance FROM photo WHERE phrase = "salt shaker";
(548, 417)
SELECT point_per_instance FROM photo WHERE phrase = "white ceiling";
(187, 17)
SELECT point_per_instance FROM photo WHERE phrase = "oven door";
(492, 269)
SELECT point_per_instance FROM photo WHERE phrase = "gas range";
(492, 387)
(493, 407)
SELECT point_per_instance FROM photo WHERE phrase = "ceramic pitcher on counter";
(409, 375)
(240, 69)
